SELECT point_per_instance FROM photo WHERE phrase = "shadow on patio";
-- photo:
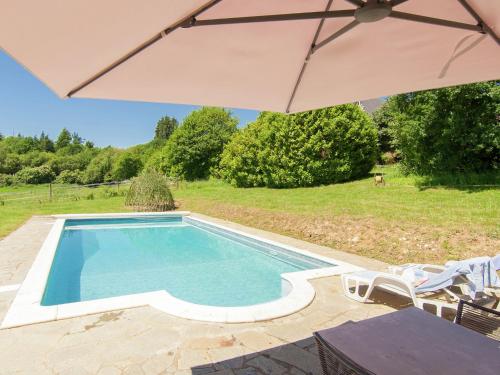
(296, 358)
(299, 358)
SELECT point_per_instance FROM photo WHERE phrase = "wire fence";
(63, 192)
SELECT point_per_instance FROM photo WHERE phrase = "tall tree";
(76, 139)
(196, 146)
(64, 139)
(46, 143)
(454, 129)
(165, 127)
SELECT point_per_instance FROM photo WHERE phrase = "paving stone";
(192, 358)
(267, 365)
(145, 340)
(223, 372)
(133, 370)
(203, 370)
(258, 340)
(295, 371)
(158, 363)
(109, 370)
(247, 371)
(297, 357)
(225, 353)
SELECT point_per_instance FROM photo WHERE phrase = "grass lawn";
(33, 200)
(395, 223)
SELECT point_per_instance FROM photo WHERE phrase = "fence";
(59, 192)
(62, 192)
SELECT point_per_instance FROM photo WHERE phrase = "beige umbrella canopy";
(279, 55)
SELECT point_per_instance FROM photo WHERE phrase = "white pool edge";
(26, 307)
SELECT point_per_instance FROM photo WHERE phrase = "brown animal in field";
(379, 180)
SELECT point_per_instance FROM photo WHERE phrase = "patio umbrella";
(279, 55)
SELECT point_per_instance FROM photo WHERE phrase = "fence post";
(50, 191)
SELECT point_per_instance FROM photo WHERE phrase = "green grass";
(405, 220)
(400, 200)
(22, 202)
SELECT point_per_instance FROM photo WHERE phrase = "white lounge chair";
(353, 285)
(424, 283)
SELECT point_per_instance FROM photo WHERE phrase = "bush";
(6, 179)
(126, 166)
(194, 148)
(69, 177)
(99, 169)
(150, 192)
(10, 164)
(72, 162)
(35, 175)
(305, 149)
(453, 129)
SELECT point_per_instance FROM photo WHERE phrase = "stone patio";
(146, 341)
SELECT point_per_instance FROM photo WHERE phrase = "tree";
(10, 164)
(382, 118)
(45, 143)
(453, 129)
(64, 139)
(306, 149)
(165, 127)
(76, 139)
(127, 165)
(195, 147)
(35, 175)
(99, 169)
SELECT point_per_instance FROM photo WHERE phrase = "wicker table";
(409, 342)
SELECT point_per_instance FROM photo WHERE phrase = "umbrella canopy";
(279, 55)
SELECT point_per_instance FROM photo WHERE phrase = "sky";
(27, 107)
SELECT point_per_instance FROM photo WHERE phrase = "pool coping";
(26, 308)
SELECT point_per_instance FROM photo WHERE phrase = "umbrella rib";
(336, 34)
(308, 56)
(434, 21)
(143, 46)
(480, 21)
(270, 18)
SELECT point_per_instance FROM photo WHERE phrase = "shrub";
(195, 147)
(10, 164)
(75, 162)
(69, 177)
(454, 129)
(305, 149)
(150, 192)
(6, 179)
(126, 166)
(99, 169)
(35, 175)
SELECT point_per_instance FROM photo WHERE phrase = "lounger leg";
(355, 295)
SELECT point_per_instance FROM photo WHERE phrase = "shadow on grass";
(470, 183)
(300, 357)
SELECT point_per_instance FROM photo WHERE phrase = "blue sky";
(27, 106)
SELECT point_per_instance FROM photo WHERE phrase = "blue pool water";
(191, 260)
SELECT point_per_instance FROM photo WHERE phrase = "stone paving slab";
(147, 341)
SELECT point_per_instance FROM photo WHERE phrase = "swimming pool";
(178, 263)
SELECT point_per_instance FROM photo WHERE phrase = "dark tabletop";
(411, 342)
